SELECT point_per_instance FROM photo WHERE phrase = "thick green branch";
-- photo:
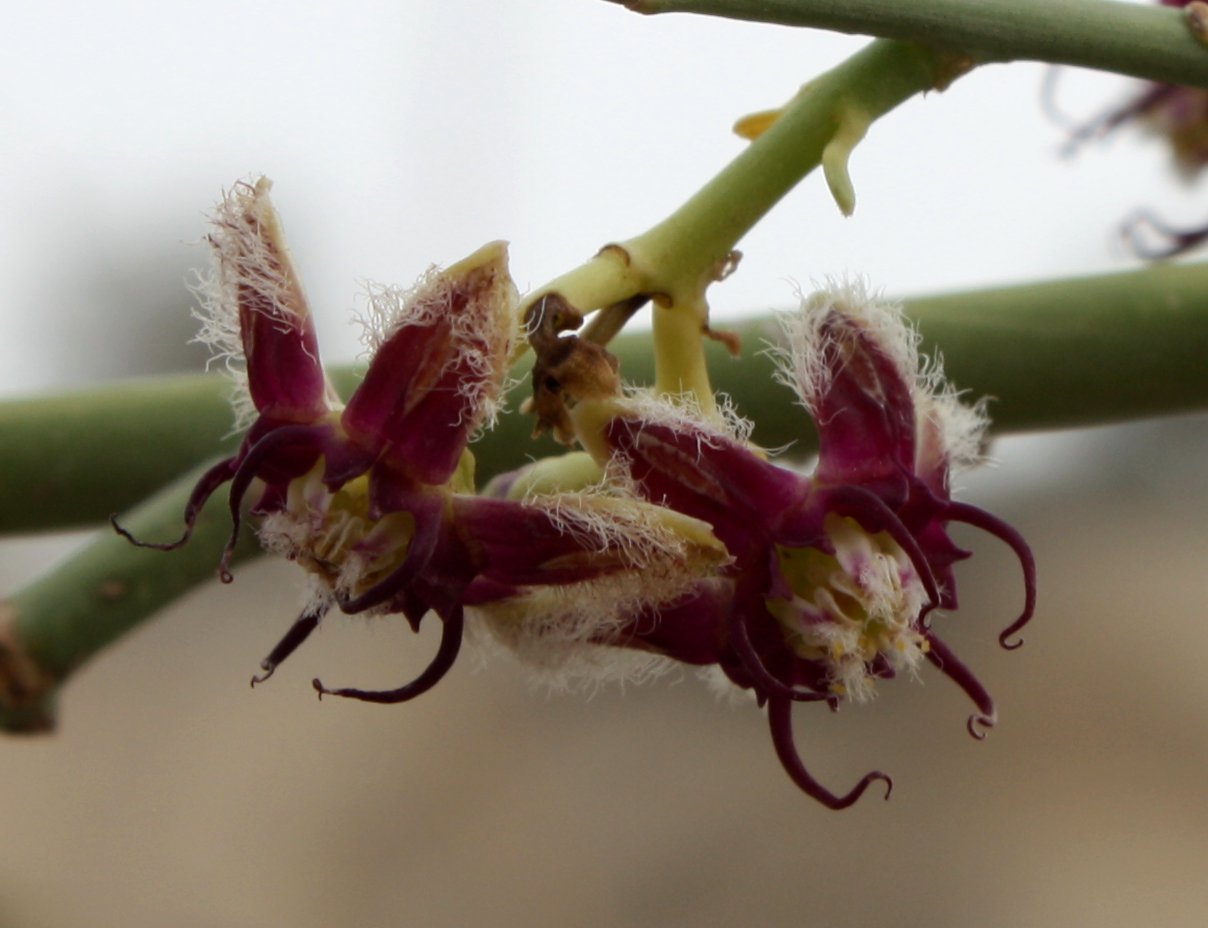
(1054, 355)
(55, 624)
(1141, 41)
(1057, 354)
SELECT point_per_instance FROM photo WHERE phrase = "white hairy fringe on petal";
(387, 308)
(559, 634)
(682, 413)
(287, 535)
(803, 356)
(484, 333)
(961, 428)
(641, 535)
(801, 359)
(317, 595)
(723, 688)
(250, 259)
(562, 631)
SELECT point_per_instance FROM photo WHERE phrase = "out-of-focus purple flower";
(671, 541)
(1175, 112)
(1178, 114)
(834, 575)
(375, 499)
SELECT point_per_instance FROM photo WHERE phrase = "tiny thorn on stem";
(727, 265)
(753, 125)
(836, 156)
(732, 341)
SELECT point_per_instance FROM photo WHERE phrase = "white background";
(400, 134)
(404, 134)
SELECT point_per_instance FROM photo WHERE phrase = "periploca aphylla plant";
(663, 533)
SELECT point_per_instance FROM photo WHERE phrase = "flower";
(1175, 112)
(834, 576)
(1178, 114)
(375, 499)
(670, 539)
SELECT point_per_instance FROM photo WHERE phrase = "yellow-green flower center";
(850, 607)
(332, 535)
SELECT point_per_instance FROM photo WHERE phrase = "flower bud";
(438, 368)
(255, 309)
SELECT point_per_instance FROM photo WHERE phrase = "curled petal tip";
(842, 802)
(446, 654)
(979, 725)
(1006, 644)
(780, 723)
(884, 778)
(979, 518)
(156, 546)
(942, 657)
(269, 669)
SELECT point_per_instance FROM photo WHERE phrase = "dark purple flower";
(375, 499)
(834, 575)
(1173, 111)
(1178, 114)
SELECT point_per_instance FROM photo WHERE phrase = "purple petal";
(446, 656)
(702, 473)
(255, 272)
(690, 630)
(438, 369)
(780, 720)
(955, 670)
(979, 518)
(278, 457)
(865, 412)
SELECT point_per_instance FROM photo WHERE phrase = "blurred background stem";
(57, 622)
(1150, 42)
(1060, 354)
(1051, 355)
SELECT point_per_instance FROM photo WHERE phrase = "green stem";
(55, 624)
(678, 258)
(686, 248)
(1151, 42)
(69, 461)
(1068, 353)
(1040, 349)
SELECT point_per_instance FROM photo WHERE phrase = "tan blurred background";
(174, 794)
(402, 134)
